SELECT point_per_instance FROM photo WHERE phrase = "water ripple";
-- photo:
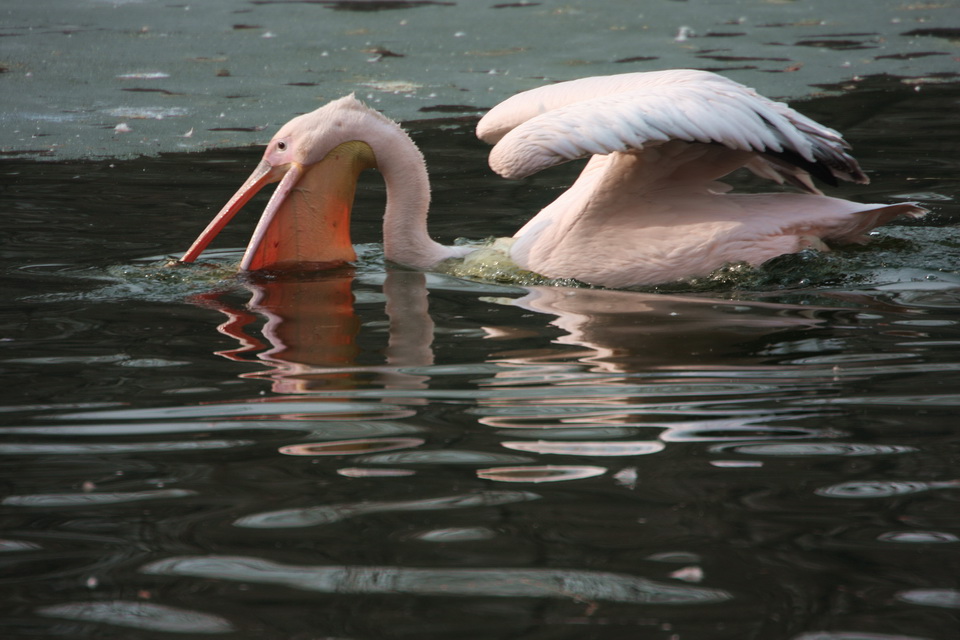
(27, 448)
(326, 514)
(327, 430)
(300, 410)
(359, 472)
(10, 546)
(457, 534)
(853, 635)
(350, 447)
(546, 473)
(570, 584)
(946, 598)
(93, 499)
(746, 428)
(932, 400)
(882, 488)
(443, 456)
(843, 358)
(580, 432)
(139, 615)
(815, 449)
(918, 537)
(619, 448)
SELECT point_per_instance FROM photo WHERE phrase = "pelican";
(317, 158)
(646, 209)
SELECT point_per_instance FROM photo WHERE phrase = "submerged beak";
(306, 223)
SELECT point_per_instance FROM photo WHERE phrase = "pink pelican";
(646, 209)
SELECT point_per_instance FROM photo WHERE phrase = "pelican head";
(317, 160)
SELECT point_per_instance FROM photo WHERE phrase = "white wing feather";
(549, 125)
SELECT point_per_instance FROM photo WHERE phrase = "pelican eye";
(282, 146)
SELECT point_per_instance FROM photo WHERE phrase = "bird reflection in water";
(652, 370)
(308, 328)
(645, 370)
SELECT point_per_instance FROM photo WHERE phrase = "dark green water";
(378, 453)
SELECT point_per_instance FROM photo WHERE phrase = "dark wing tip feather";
(826, 156)
(820, 170)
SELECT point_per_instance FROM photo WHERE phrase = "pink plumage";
(646, 209)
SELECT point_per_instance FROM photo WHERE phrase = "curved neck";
(405, 236)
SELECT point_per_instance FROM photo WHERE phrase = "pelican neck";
(406, 239)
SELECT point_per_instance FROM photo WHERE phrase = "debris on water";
(683, 33)
(147, 113)
(147, 75)
(392, 86)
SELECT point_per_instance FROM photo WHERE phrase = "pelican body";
(647, 208)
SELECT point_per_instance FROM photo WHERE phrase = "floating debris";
(392, 86)
(147, 75)
(147, 113)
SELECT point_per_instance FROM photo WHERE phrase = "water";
(379, 453)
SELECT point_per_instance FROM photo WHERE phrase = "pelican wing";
(557, 123)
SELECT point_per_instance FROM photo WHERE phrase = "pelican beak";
(264, 174)
(306, 223)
